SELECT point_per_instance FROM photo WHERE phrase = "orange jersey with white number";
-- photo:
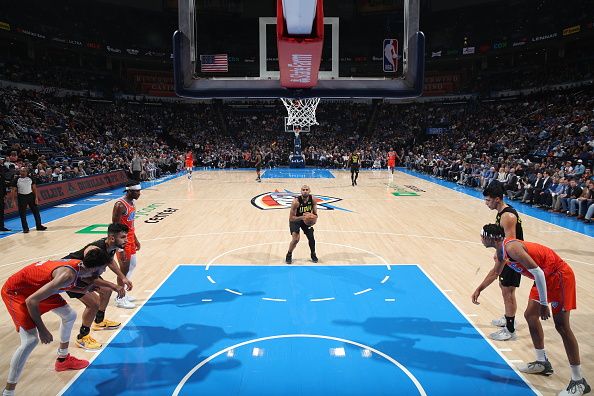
(189, 160)
(544, 257)
(392, 157)
(127, 217)
(34, 276)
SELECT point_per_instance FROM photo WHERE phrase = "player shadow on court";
(403, 348)
(459, 365)
(161, 374)
(194, 299)
(393, 327)
(190, 333)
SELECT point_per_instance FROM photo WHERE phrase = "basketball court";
(387, 309)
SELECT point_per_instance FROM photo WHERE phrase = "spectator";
(3, 187)
(573, 192)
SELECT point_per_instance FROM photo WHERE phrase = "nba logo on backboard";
(390, 55)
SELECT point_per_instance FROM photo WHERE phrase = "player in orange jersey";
(33, 291)
(124, 212)
(554, 283)
(189, 160)
(392, 158)
(96, 301)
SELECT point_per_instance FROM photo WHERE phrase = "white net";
(302, 112)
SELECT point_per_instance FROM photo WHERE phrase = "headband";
(135, 187)
(493, 236)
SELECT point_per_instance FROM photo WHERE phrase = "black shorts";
(509, 277)
(296, 226)
(258, 168)
(354, 168)
(77, 295)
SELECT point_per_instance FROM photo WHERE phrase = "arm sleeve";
(541, 284)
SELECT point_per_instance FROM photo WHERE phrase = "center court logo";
(283, 200)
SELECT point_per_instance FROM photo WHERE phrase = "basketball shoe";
(124, 303)
(88, 343)
(71, 363)
(503, 335)
(106, 325)
(537, 367)
(576, 388)
(500, 322)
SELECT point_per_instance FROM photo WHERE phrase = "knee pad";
(68, 318)
(66, 313)
(29, 338)
(132, 266)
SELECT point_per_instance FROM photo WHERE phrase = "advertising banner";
(59, 192)
(571, 30)
(468, 50)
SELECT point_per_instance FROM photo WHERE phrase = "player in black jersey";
(258, 165)
(509, 280)
(97, 299)
(355, 164)
(305, 203)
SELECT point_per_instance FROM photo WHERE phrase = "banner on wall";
(59, 192)
(572, 30)
(520, 42)
(468, 50)
(499, 44)
(30, 33)
(544, 37)
(484, 48)
(437, 130)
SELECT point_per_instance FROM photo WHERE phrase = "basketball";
(310, 219)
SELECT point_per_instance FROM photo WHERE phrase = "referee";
(26, 191)
(3, 185)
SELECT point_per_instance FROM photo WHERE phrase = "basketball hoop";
(302, 112)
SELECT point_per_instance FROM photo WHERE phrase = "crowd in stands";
(62, 138)
(536, 145)
(540, 148)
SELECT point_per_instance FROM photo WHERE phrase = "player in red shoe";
(554, 283)
(33, 291)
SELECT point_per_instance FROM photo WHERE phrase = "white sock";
(541, 355)
(576, 372)
(62, 353)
